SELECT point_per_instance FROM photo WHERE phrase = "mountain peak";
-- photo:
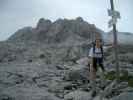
(43, 25)
(80, 19)
(62, 30)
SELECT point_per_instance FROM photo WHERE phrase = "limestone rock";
(124, 96)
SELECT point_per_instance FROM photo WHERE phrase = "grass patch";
(124, 77)
(110, 75)
(130, 81)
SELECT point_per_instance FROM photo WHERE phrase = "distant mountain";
(123, 37)
(60, 31)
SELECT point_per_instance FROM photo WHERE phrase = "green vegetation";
(124, 77)
(130, 81)
(110, 75)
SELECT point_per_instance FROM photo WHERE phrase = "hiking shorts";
(99, 62)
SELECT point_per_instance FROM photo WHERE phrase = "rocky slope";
(41, 63)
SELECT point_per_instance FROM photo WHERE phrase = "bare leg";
(92, 72)
(92, 79)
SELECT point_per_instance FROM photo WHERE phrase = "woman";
(96, 56)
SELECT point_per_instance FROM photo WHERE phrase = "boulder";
(77, 95)
(83, 61)
(77, 72)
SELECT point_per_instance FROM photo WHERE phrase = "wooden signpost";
(112, 23)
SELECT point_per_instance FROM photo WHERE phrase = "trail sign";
(112, 22)
(114, 14)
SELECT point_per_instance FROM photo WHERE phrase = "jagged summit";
(58, 31)
(43, 25)
(79, 19)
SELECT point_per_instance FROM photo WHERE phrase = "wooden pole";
(115, 45)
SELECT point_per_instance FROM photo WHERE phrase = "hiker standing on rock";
(96, 56)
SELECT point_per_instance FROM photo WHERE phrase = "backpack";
(101, 47)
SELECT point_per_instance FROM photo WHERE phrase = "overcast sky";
(15, 14)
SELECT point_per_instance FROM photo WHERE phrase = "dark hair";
(98, 39)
